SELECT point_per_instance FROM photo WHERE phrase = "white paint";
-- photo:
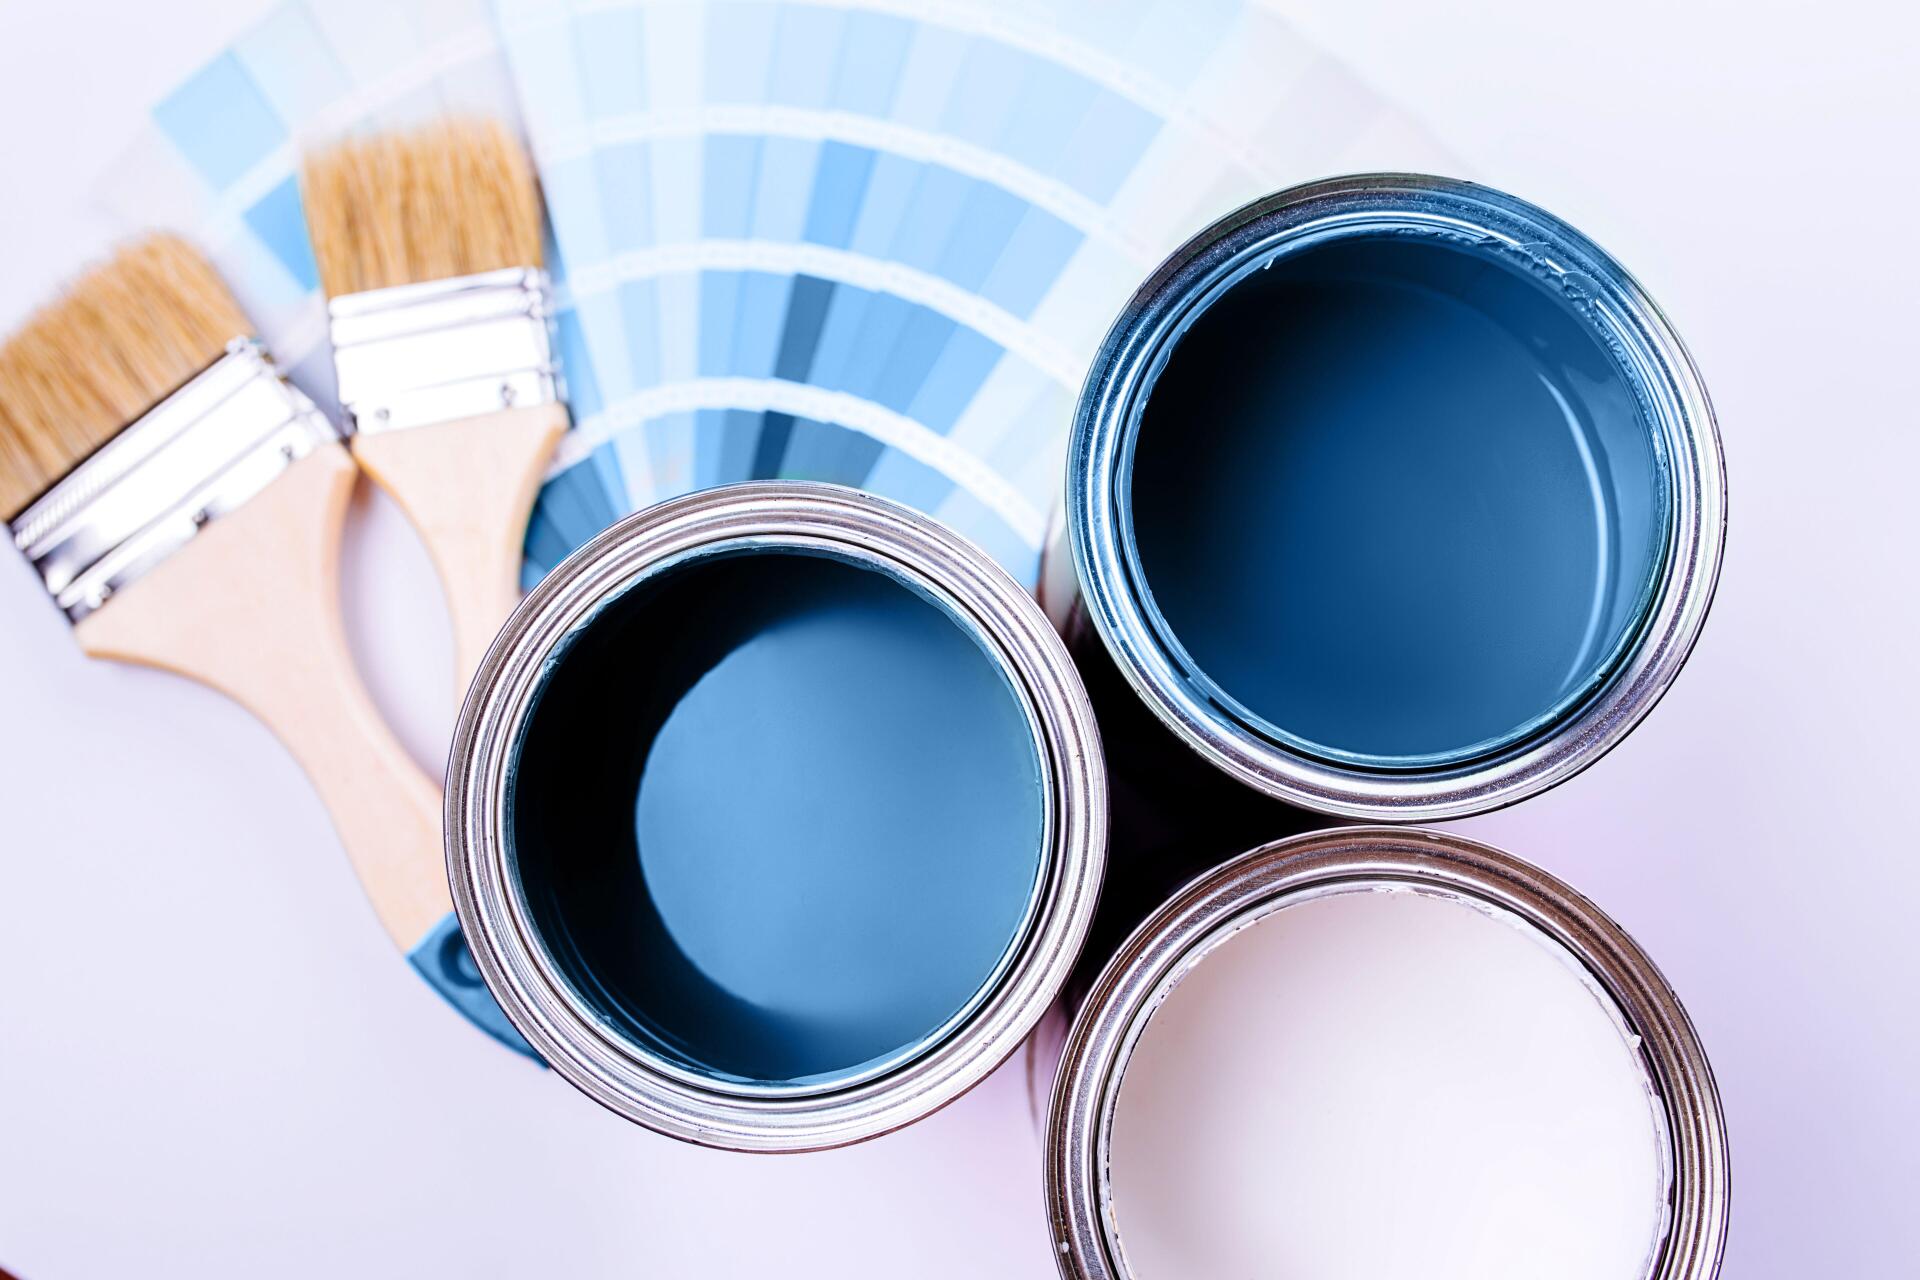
(1381, 1085)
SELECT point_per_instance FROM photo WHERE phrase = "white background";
(211, 1063)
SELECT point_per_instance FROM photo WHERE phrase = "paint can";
(776, 817)
(1543, 594)
(1089, 1160)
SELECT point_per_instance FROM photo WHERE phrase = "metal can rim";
(1080, 1106)
(1108, 410)
(516, 967)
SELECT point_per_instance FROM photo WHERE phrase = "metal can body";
(1080, 1119)
(519, 961)
(1105, 602)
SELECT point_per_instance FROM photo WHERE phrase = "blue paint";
(442, 958)
(221, 122)
(778, 818)
(1396, 500)
(281, 223)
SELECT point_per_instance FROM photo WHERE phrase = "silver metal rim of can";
(493, 912)
(1143, 970)
(1108, 412)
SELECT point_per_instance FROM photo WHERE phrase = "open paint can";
(776, 817)
(1381, 1052)
(1391, 497)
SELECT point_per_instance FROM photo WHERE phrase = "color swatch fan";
(874, 244)
(877, 244)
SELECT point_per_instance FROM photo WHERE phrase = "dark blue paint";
(1396, 500)
(778, 817)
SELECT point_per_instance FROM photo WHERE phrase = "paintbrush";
(429, 249)
(183, 505)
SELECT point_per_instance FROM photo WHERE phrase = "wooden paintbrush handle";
(251, 608)
(468, 487)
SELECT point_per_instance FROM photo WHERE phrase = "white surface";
(211, 1064)
(1381, 1086)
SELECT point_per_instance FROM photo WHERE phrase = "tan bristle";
(123, 337)
(449, 199)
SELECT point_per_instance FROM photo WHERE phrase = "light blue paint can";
(776, 817)
(1394, 497)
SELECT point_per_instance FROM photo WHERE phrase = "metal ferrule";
(203, 451)
(520, 967)
(1087, 1239)
(417, 354)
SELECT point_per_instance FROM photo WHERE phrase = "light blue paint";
(991, 78)
(599, 313)
(640, 315)
(626, 201)
(778, 819)
(846, 319)
(758, 323)
(739, 49)
(916, 347)
(927, 79)
(679, 344)
(678, 179)
(807, 51)
(908, 480)
(610, 46)
(885, 316)
(605, 460)
(1060, 97)
(289, 61)
(1106, 146)
(783, 187)
(572, 189)
(739, 443)
(634, 449)
(677, 437)
(1396, 501)
(889, 189)
(928, 222)
(1039, 251)
(719, 297)
(281, 223)
(964, 513)
(1107, 25)
(871, 56)
(954, 379)
(839, 186)
(1174, 41)
(732, 163)
(984, 227)
(709, 438)
(221, 122)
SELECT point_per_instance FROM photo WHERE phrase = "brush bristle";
(126, 335)
(450, 199)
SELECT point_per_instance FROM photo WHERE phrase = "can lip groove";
(517, 967)
(1107, 417)
(1079, 1109)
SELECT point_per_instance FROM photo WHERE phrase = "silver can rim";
(1079, 1112)
(1108, 410)
(517, 968)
